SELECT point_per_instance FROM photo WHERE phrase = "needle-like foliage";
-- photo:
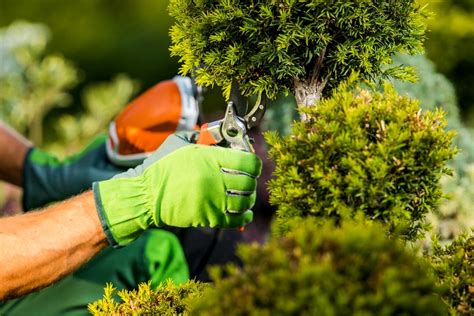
(362, 152)
(168, 299)
(299, 46)
(454, 267)
(324, 270)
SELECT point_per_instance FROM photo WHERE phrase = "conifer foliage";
(454, 267)
(323, 270)
(363, 152)
(299, 46)
(167, 299)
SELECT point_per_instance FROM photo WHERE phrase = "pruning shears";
(232, 130)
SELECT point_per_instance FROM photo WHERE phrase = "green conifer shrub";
(455, 214)
(167, 299)
(434, 90)
(324, 270)
(362, 152)
(289, 45)
(454, 267)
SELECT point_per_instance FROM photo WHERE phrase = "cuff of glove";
(39, 179)
(123, 209)
(24, 181)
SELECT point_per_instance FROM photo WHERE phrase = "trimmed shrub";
(167, 299)
(454, 266)
(454, 214)
(324, 270)
(434, 90)
(362, 152)
(294, 46)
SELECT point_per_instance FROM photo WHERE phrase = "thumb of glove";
(171, 144)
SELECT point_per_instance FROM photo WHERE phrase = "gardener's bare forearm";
(42, 247)
(13, 149)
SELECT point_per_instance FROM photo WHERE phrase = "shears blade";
(239, 101)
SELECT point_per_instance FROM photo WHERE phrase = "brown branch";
(317, 67)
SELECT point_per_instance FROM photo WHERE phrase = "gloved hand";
(191, 186)
(46, 179)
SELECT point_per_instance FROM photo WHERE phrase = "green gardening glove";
(180, 185)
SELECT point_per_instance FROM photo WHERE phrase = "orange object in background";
(146, 122)
(205, 137)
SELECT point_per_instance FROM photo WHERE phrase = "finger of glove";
(234, 181)
(238, 220)
(243, 162)
(239, 204)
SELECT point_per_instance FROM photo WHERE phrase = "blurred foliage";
(280, 115)
(350, 269)
(450, 45)
(320, 269)
(455, 215)
(167, 299)
(102, 101)
(454, 267)
(33, 83)
(104, 37)
(362, 152)
(432, 89)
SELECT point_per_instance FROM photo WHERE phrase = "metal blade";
(240, 102)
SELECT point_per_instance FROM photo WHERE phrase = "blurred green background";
(103, 37)
(450, 46)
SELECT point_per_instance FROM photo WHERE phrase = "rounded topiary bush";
(324, 270)
(363, 152)
(434, 90)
